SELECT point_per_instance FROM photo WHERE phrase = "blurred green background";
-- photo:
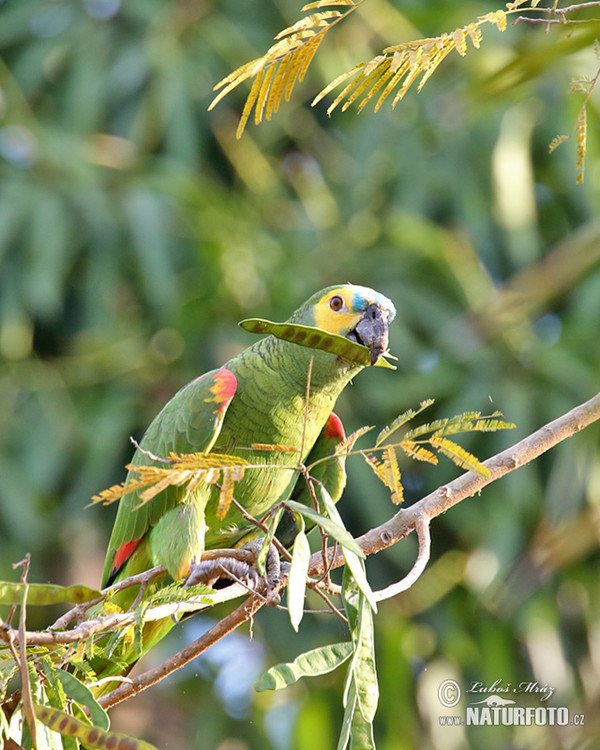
(135, 231)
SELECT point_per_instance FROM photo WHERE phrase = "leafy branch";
(44, 659)
(391, 73)
(415, 518)
(276, 72)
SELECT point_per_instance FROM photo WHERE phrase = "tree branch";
(424, 536)
(229, 623)
(416, 517)
(468, 484)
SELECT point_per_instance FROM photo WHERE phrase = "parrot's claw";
(273, 569)
(210, 571)
(239, 565)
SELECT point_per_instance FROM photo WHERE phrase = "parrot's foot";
(239, 565)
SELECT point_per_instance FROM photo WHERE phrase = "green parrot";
(259, 396)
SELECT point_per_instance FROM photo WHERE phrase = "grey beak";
(372, 331)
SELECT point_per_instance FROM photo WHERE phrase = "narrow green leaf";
(350, 709)
(316, 662)
(261, 560)
(315, 338)
(38, 593)
(69, 726)
(361, 732)
(296, 588)
(54, 688)
(83, 695)
(365, 672)
(337, 531)
(401, 420)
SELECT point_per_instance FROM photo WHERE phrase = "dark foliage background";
(135, 231)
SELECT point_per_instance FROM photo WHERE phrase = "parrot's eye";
(336, 303)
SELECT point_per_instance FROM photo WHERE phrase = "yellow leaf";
(262, 95)
(367, 98)
(336, 82)
(400, 72)
(418, 452)
(278, 86)
(460, 41)
(368, 80)
(393, 471)
(249, 103)
(474, 33)
(230, 476)
(497, 17)
(459, 455)
(274, 447)
(310, 22)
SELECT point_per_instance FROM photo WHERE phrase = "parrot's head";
(356, 312)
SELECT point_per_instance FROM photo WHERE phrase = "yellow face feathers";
(334, 312)
(340, 308)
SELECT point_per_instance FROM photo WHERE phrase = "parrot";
(258, 397)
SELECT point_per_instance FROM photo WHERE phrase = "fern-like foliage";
(393, 71)
(397, 68)
(286, 62)
(425, 442)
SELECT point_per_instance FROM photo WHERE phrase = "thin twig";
(229, 623)
(28, 708)
(315, 586)
(262, 526)
(139, 579)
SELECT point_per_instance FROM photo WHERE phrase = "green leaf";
(350, 709)
(337, 531)
(402, 420)
(296, 588)
(353, 561)
(361, 692)
(361, 733)
(261, 560)
(75, 689)
(69, 726)
(316, 662)
(38, 593)
(363, 665)
(315, 338)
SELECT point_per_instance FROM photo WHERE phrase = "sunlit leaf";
(296, 587)
(95, 737)
(39, 593)
(460, 456)
(316, 662)
(402, 420)
(334, 530)
(75, 689)
(315, 338)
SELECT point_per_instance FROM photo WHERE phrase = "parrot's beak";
(372, 331)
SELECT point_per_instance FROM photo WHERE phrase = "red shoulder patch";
(123, 554)
(223, 389)
(334, 429)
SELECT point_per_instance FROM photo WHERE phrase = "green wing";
(189, 423)
(331, 472)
